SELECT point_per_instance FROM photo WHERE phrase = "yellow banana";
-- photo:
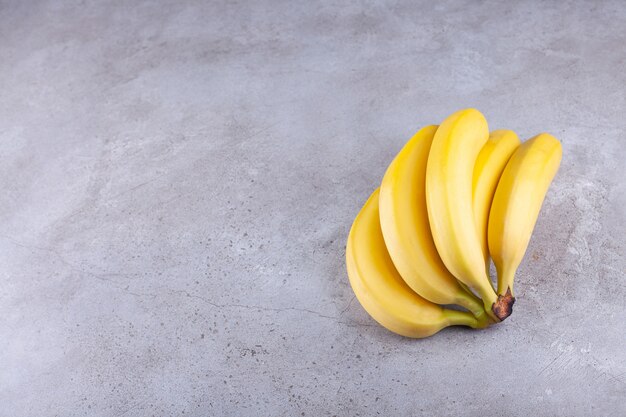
(405, 227)
(487, 171)
(380, 289)
(449, 173)
(517, 202)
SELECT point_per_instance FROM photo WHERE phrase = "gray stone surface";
(178, 181)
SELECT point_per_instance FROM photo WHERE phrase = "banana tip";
(503, 307)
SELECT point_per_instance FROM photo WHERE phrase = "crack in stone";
(115, 284)
(262, 308)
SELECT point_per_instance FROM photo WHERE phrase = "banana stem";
(472, 303)
(504, 306)
(462, 318)
(489, 299)
(475, 306)
(505, 280)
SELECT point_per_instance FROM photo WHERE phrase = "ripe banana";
(380, 289)
(487, 171)
(405, 227)
(449, 173)
(517, 202)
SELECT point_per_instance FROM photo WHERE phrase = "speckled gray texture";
(178, 181)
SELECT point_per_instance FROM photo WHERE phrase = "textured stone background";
(178, 180)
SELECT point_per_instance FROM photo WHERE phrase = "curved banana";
(405, 227)
(456, 145)
(517, 202)
(487, 171)
(380, 289)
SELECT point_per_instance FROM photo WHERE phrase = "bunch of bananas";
(453, 199)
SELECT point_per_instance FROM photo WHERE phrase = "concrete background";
(178, 181)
